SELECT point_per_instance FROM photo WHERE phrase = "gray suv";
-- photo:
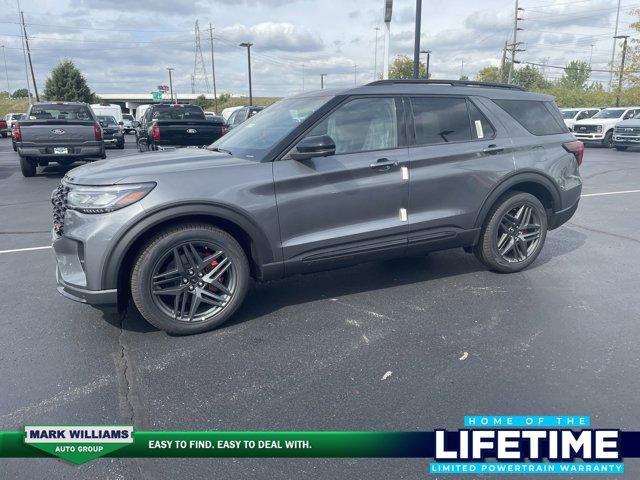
(315, 181)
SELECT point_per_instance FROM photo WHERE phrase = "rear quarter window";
(537, 117)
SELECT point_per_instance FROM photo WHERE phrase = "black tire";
(15, 147)
(158, 248)
(143, 146)
(621, 149)
(607, 141)
(121, 145)
(487, 248)
(5, 135)
(27, 167)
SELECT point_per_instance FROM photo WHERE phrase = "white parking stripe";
(17, 250)
(609, 193)
(25, 249)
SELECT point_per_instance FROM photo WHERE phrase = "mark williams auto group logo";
(527, 445)
(78, 444)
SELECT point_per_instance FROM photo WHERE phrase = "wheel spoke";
(189, 252)
(531, 236)
(526, 216)
(220, 286)
(169, 291)
(177, 260)
(508, 247)
(167, 277)
(207, 260)
(502, 240)
(212, 299)
(195, 303)
(218, 270)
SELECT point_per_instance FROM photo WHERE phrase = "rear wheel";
(190, 278)
(27, 167)
(513, 233)
(608, 140)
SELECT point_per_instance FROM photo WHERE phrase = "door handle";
(491, 149)
(383, 164)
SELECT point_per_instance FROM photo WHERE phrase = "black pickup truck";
(168, 125)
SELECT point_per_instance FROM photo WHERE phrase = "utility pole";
(375, 55)
(388, 9)
(24, 55)
(428, 52)
(624, 53)
(6, 71)
(213, 71)
(613, 48)
(503, 61)
(355, 74)
(249, 45)
(170, 69)
(322, 75)
(515, 44)
(416, 42)
(26, 42)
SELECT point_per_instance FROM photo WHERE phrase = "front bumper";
(626, 141)
(92, 297)
(589, 137)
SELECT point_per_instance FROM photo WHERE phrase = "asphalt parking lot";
(315, 352)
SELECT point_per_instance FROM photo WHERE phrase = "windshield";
(568, 114)
(127, 117)
(260, 133)
(60, 112)
(107, 120)
(177, 112)
(612, 113)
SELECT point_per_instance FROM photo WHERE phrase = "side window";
(538, 117)
(239, 118)
(628, 114)
(361, 125)
(232, 117)
(480, 126)
(592, 113)
(440, 120)
(583, 114)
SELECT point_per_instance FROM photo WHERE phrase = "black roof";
(436, 87)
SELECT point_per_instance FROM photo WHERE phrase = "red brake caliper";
(214, 264)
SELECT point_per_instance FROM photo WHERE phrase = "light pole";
(624, 53)
(416, 44)
(375, 55)
(249, 45)
(6, 71)
(428, 52)
(388, 7)
(322, 75)
(170, 69)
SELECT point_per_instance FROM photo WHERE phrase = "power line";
(572, 68)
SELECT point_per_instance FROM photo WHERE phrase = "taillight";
(16, 133)
(155, 133)
(577, 148)
(97, 131)
(223, 129)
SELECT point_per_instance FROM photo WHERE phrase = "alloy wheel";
(193, 281)
(519, 233)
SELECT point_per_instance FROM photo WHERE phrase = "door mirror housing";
(316, 146)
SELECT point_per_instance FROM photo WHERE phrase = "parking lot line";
(609, 193)
(15, 250)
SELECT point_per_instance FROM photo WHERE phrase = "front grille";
(59, 201)
(627, 130)
(585, 128)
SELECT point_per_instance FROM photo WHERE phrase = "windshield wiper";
(218, 149)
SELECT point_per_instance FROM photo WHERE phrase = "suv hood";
(148, 166)
(632, 122)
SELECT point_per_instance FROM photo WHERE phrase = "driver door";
(350, 205)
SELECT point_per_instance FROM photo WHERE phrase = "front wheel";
(513, 233)
(190, 278)
(607, 142)
(27, 167)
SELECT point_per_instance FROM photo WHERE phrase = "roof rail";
(453, 83)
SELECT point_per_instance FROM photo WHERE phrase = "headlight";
(87, 199)
(599, 128)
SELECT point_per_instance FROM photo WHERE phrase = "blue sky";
(124, 46)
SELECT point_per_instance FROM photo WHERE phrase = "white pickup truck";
(599, 128)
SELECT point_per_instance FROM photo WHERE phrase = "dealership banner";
(486, 445)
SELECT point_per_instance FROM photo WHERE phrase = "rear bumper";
(89, 149)
(563, 216)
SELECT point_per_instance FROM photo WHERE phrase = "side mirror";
(316, 146)
(103, 124)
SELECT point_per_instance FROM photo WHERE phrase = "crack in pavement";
(595, 230)
(124, 375)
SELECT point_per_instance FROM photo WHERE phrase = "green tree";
(530, 78)
(20, 93)
(576, 75)
(66, 83)
(202, 102)
(464, 78)
(402, 67)
(632, 63)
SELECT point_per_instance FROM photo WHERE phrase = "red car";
(4, 130)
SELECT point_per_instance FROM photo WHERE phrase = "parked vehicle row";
(598, 126)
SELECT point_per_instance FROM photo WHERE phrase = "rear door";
(347, 207)
(456, 157)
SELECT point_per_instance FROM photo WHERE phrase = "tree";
(202, 102)
(20, 93)
(632, 65)
(530, 78)
(464, 78)
(576, 75)
(402, 67)
(66, 83)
